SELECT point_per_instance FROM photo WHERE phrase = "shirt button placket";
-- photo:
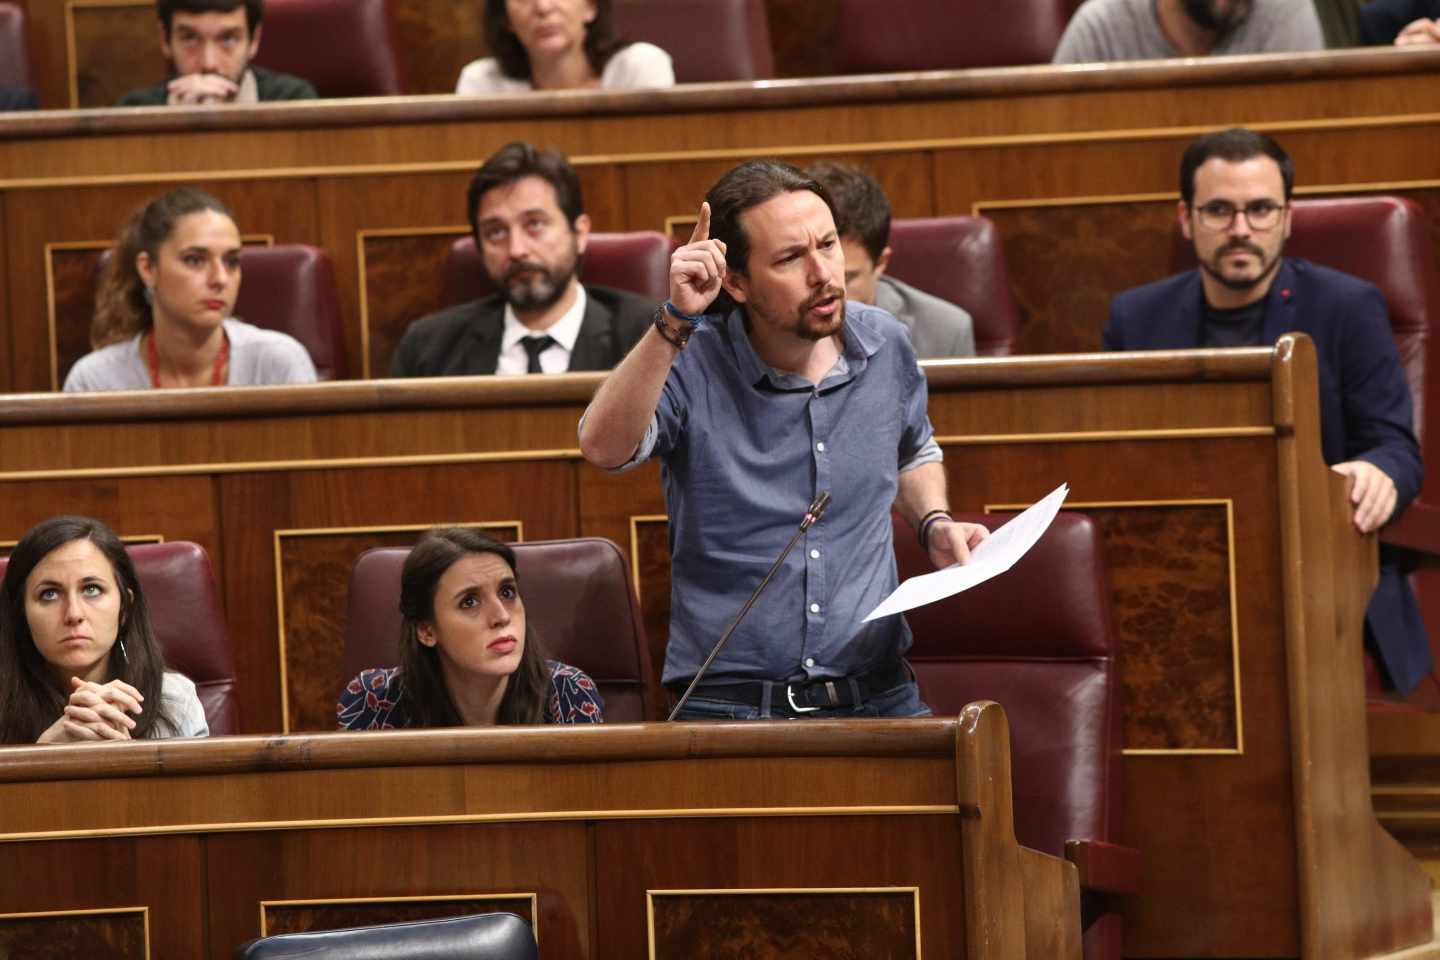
(814, 569)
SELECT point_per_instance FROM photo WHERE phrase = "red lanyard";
(222, 357)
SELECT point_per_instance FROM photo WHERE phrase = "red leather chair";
(905, 35)
(343, 47)
(1050, 662)
(638, 262)
(960, 259)
(14, 47)
(1386, 241)
(708, 40)
(189, 624)
(577, 597)
(291, 288)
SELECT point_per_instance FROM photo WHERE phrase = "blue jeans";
(901, 701)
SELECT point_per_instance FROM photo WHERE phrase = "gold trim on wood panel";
(519, 816)
(1100, 436)
(1229, 505)
(360, 237)
(274, 466)
(128, 539)
(433, 898)
(335, 531)
(99, 911)
(635, 521)
(728, 153)
(264, 239)
(650, 896)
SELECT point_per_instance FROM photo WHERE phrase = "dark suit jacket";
(269, 85)
(465, 339)
(1382, 20)
(1365, 404)
(18, 98)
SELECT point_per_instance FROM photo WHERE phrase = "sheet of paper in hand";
(996, 554)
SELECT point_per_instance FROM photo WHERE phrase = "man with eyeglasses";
(1235, 188)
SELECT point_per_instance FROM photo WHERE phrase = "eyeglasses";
(1220, 214)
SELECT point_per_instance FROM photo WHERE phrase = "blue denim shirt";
(744, 450)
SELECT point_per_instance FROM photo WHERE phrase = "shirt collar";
(566, 330)
(860, 337)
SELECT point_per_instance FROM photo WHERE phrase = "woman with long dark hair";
(163, 309)
(78, 656)
(560, 45)
(467, 655)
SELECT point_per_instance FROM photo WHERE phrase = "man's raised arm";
(616, 420)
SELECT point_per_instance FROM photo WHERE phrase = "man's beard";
(1212, 267)
(1206, 14)
(541, 291)
(819, 330)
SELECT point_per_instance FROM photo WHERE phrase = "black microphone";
(812, 515)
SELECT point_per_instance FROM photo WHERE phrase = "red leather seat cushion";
(343, 47)
(708, 40)
(904, 35)
(959, 259)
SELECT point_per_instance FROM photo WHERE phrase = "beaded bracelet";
(676, 338)
(922, 533)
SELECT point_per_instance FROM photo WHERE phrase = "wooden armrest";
(1418, 529)
(1105, 867)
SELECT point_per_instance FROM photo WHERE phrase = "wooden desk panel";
(604, 833)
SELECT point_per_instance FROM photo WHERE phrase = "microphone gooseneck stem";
(813, 514)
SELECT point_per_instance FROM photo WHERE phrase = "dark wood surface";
(1234, 836)
(909, 819)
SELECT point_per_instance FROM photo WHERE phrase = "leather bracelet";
(922, 533)
(676, 338)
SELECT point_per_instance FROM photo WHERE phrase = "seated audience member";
(1104, 30)
(209, 45)
(467, 656)
(78, 658)
(937, 327)
(526, 217)
(17, 98)
(1235, 187)
(162, 314)
(560, 45)
(1401, 22)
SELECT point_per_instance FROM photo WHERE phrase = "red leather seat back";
(14, 47)
(1040, 641)
(960, 259)
(577, 597)
(189, 624)
(291, 288)
(708, 40)
(343, 47)
(904, 35)
(638, 262)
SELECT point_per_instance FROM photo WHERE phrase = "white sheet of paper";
(996, 554)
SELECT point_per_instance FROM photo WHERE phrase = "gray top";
(744, 449)
(257, 357)
(1104, 30)
(938, 328)
(182, 703)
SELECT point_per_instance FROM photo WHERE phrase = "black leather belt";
(828, 693)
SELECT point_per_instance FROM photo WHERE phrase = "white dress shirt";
(565, 331)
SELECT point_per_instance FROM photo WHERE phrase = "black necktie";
(534, 346)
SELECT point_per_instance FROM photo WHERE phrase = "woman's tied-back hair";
(30, 701)
(121, 309)
(514, 60)
(423, 683)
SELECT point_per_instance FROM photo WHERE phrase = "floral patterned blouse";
(375, 700)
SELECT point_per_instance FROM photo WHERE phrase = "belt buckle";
(790, 695)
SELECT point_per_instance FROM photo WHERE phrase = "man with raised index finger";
(759, 387)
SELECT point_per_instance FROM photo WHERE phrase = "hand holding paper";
(998, 553)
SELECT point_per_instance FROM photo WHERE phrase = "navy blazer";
(1366, 410)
